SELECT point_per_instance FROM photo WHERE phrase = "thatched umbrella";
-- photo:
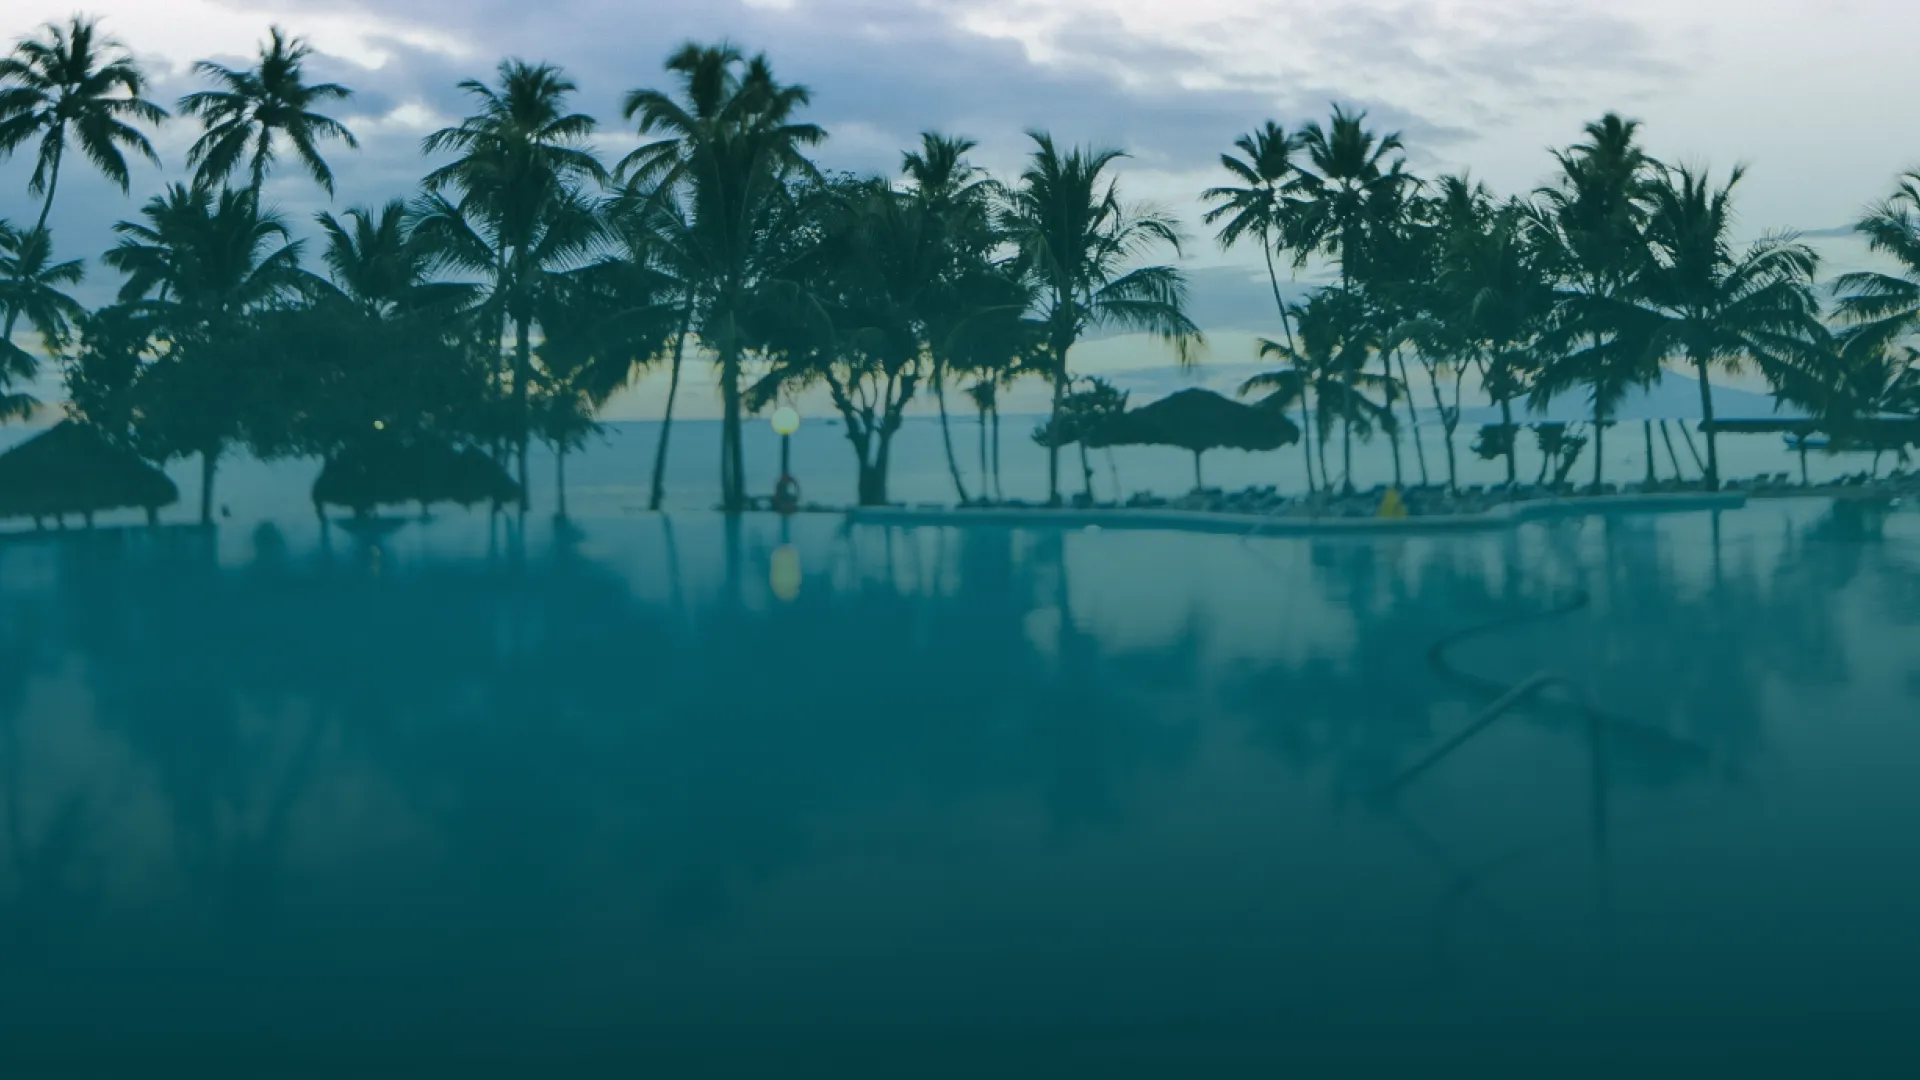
(390, 470)
(1199, 420)
(71, 469)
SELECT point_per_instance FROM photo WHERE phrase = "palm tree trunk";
(1053, 447)
(666, 420)
(208, 458)
(1346, 436)
(1393, 425)
(1306, 436)
(1513, 440)
(999, 493)
(1446, 427)
(1086, 472)
(1706, 415)
(1599, 442)
(560, 481)
(522, 374)
(946, 434)
(1692, 450)
(1667, 437)
(1113, 470)
(53, 181)
(983, 452)
(1326, 478)
(1273, 279)
(1413, 420)
(732, 471)
(1646, 428)
(1197, 484)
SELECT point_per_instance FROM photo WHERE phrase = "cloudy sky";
(1799, 89)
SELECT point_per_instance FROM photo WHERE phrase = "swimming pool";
(975, 801)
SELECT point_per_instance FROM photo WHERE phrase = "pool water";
(972, 802)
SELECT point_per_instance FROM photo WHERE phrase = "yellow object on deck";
(1391, 505)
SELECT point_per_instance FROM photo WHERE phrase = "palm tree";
(1350, 171)
(727, 149)
(202, 264)
(72, 81)
(1328, 366)
(1487, 304)
(523, 160)
(1881, 306)
(1715, 306)
(378, 266)
(650, 265)
(31, 286)
(1262, 207)
(257, 107)
(954, 200)
(849, 315)
(1074, 238)
(1591, 228)
(1282, 389)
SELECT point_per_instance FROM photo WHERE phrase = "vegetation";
(526, 280)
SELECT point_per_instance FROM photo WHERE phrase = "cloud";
(1491, 82)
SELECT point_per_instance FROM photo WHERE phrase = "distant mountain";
(1673, 397)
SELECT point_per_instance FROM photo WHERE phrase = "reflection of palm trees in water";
(1659, 645)
(535, 721)
(521, 714)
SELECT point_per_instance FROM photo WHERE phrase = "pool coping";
(1502, 516)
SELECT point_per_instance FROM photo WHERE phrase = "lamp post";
(786, 492)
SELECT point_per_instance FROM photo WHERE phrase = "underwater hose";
(1625, 728)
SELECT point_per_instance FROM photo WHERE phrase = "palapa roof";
(392, 470)
(1199, 420)
(72, 469)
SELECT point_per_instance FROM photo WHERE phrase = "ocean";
(610, 475)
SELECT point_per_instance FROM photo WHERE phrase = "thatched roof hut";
(1200, 420)
(72, 469)
(391, 471)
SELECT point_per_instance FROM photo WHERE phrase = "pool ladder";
(1526, 691)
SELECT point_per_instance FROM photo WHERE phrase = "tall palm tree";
(1329, 368)
(954, 201)
(256, 108)
(524, 159)
(1717, 307)
(1489, 301)
(1591, 228)
(202, 264)
(1289, 386)
(1263, 207)
(1074, 239)
(727, 148)
(649, 265)
(1349, 169)
(72, 81)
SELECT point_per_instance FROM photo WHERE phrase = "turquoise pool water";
(974, 802)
